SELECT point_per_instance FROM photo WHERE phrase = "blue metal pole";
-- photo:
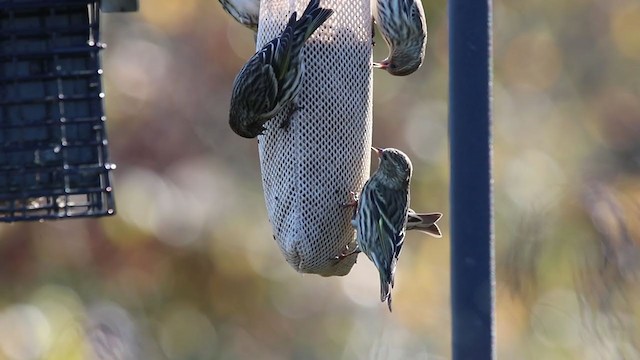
(472, 254)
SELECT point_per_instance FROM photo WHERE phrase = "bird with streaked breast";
(403, 26)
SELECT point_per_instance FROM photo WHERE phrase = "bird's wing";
(262, 87)
(416, 16)
(277, 52)
(393, 209)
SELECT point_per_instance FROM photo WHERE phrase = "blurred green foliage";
(188, 268)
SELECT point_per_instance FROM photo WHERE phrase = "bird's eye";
(393, 66)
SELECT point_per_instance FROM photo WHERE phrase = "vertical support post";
(472, 252)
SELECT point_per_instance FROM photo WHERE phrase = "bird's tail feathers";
(385, 290)
(424, 222)
(312, 17)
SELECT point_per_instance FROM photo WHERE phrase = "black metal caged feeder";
(54, 159)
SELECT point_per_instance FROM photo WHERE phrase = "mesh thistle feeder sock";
(309, 166)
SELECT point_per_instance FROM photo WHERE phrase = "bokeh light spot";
(625, 30)
(186, 333)
(168, 15)
(533, 178)
(532, 61)
(24, 332)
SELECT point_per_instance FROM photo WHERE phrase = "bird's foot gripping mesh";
(309, 167)
(53, 147)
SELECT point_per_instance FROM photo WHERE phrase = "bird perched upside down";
(271, 79)
(381, 215)
(403, 26)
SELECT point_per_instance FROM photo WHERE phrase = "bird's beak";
(382, 65)
(377, 150)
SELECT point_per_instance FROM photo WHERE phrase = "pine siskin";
(403, 26)
(271, 79)
(382, 215)
(423, 222)
(246, 12)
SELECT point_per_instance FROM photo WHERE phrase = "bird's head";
(395, 166)
(245, 126)
(404, 60)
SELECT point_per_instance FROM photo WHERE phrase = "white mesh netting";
(309, 168)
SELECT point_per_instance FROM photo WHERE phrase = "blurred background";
(188, 268)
